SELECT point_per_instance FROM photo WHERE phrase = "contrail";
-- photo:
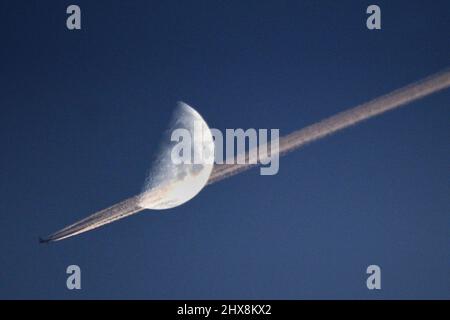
(118, 211)
(342, 120)
(288, 143)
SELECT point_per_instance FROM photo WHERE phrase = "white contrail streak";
(342, 120)
(288, 143)
(98, 219)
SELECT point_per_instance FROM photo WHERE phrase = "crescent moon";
(168, 185)
(171, 184)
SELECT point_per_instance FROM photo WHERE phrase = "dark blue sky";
(82, 113)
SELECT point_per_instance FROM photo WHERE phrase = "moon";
(170, 184)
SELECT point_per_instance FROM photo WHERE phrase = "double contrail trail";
(288, 143)
(342, 120)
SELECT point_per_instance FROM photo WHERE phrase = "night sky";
(82, 114)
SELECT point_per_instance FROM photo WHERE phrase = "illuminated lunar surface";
(171, 183)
